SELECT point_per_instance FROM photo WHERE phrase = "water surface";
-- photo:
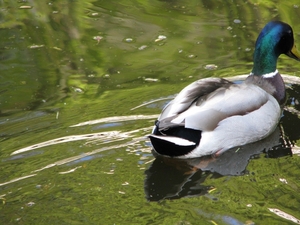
(81, 85)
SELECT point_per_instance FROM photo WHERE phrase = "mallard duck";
(212, 115)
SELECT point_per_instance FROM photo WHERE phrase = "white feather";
(175, 140)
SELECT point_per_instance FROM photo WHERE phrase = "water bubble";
(98, 38)
(29, 204)
(151, 79)
(211, 67)
(36, 46)
(160, 38)
(191, 56)
(283, 180)
(78, 90)
(25, 7)
(128, 40)
(143, 47)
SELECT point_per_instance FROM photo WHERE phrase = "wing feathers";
(221, 104)
(191, 93)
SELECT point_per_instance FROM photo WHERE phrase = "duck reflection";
(169, 178)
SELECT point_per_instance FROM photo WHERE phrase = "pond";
(81, 85)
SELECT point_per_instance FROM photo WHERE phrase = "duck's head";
(276, 38)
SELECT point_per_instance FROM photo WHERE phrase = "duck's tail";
(176, 141)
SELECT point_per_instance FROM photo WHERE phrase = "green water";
(66, 64)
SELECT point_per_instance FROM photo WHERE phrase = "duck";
(212, 115)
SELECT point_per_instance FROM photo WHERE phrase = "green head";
(276, 38)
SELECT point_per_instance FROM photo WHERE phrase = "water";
(81, 85)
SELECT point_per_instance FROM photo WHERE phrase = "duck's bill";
(294, 53)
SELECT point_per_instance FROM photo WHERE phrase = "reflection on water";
(169, 178)
(81, 84)
(117, 138)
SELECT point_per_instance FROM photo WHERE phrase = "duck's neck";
(264, 67)
(264, 61)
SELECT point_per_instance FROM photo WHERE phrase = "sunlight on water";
(81, 86)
